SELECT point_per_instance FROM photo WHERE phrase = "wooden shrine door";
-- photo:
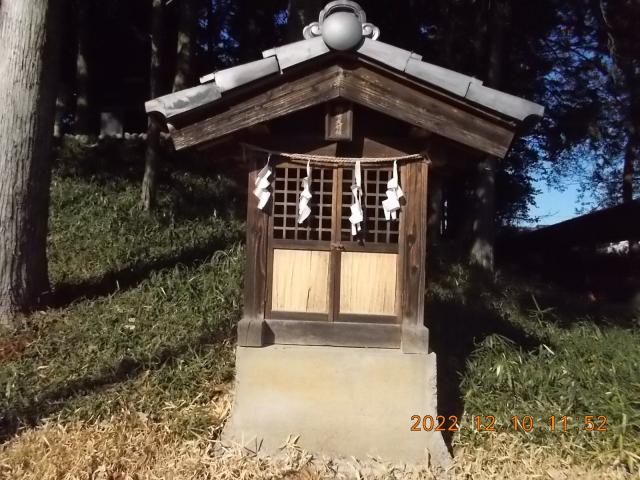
(317, 270)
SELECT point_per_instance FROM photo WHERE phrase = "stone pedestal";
(340, 401)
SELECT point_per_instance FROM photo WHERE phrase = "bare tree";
(301, 13)
(83, 106)
(184, 77)
(153, 152)
(186, 45)
(63, 102)
(620, 19)
(482, 248)
(29, 37)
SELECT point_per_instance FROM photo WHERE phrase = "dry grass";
(511, 456)
(131, 446)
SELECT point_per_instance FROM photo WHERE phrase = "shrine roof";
(279, 59)
(342, 31)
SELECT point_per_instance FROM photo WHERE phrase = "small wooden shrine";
(338, 132)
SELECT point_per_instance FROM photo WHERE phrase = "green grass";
(146, 306)
(148, 301)
(96, 225)
(526, 356)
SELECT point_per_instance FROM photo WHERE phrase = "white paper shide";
(391, 205)
(262, 184)
(357, 216)
(305, 197)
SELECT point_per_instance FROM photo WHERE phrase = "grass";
(128, 374)
(150, 303)
(132, 445)
(582, 370)
(525, 357)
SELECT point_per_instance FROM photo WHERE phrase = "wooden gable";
(358, 81)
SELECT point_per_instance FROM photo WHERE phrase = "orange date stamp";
(524, 423)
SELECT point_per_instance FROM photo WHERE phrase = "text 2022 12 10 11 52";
(518, 423)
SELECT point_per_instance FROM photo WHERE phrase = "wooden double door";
(318, 270)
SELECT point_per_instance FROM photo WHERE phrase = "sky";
(553, 206)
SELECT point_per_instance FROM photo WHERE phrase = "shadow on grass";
(580, 282)
(29, 412)
(25, 415)
(457, 324)
(129, 277)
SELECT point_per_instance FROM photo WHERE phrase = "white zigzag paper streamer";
(262, 184)
(305, 196)
(357, 216)
(391, 205)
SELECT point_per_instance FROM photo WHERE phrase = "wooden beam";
(315, 145)
(384, 94)
(336, 334)
(363, 84)
(450, 158)
(281, 100)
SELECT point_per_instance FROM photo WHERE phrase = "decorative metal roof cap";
(342, 24)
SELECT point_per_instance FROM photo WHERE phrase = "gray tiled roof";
(279, 59)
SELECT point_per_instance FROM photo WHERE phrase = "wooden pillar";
(250, 328)
(413, 252)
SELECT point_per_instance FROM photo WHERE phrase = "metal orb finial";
(342, 31)
(342, 25)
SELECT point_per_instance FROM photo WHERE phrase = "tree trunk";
(631, 74)
(152, 158)
(300, 14)
(27, 102)
(482, 248)
(446, 34)
(435, 209)
(63, 107)
(631, 156)
(83, 106)
(621, 21)
(482, 253)
(153, 153)
(480, 37)
(212, 33)
(186, 45)
(500, 18)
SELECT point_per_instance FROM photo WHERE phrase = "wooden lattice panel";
(286, 196)
(375, 227)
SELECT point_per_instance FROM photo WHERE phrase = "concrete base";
(341, 401)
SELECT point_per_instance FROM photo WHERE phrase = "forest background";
(579, 58)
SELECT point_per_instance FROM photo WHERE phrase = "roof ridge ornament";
(342, 24)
